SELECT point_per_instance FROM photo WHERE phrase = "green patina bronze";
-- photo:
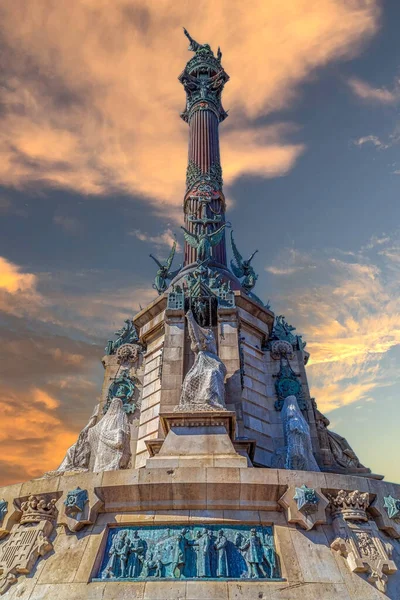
(164, 272)
(392, 506)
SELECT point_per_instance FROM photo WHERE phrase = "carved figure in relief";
(203, 387)
(270, 555)
(254, 555)
(152, 567)
(116, 566)
(110, 439)
(299, 454)
(338, 446)
(78, 455)
(203, 542)
(179, 554)
(222, 558)
(137, 550)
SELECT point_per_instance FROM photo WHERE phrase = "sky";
(92, 173)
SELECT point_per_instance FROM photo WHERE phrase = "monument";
(206, 471)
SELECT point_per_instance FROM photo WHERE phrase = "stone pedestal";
(196, 439)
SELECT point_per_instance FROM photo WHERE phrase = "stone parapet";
(310, 564)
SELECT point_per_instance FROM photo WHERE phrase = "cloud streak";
(366, 92)
(91, 98)
(351, 321)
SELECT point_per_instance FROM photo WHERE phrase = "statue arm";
(194, 331)
(193, 46)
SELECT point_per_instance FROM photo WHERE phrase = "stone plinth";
(196, 439)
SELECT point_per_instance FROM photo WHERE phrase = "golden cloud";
(18, 290)
(350, 322)
(12, 280)
(39, 437)
(92, 100)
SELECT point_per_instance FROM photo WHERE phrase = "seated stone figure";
(203, 387)
(109, 440)
(335, 448)
(299, 453)
(78, 455)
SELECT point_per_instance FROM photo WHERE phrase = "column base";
(196, 439)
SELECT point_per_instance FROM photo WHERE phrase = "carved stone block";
(304, 506)
(28, 539)
(80, 508)
(386, 511)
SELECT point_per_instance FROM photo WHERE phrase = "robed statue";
(203, 387)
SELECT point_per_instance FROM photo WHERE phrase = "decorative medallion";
(281, 348)
(123, 387)
(127, 354)
(288, 384)
(307, 500)
(392, 507)
(75, 502)
(304, 506)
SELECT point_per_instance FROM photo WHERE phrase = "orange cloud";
(12, 280)
(95, 107)
(18, 290)
(39, 437)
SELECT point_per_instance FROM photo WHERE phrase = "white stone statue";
(203, 387)
(109, 440)
(299, 454)
(78, 455)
